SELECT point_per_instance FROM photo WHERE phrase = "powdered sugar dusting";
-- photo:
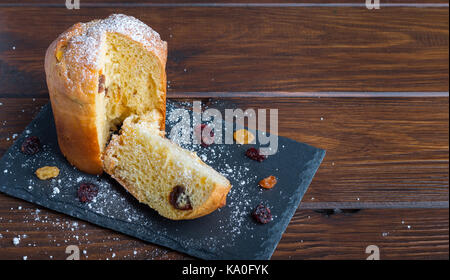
(82, 52)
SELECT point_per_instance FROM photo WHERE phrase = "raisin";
(268, 182)
(262, 214)
(204, 139)
(179, 199)
(255, 154)
(47, 172)
(101, 83)
(87, 192)
(31, 145)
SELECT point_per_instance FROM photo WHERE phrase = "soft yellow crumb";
(47, 172)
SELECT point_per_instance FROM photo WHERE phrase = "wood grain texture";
(378, 149)
(255, 49)
(386, 155)
(400, 234)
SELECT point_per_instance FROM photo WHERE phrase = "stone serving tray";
(228, 233)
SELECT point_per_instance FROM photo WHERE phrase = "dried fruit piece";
(31, 145)
(243, 136)
(255, 155)
(59, 53)
(47, 172)
(262, 214)
(101, 83)
(204, 134)
(179, 199)
(268, 182)
(87, 192)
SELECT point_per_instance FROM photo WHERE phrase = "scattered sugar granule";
(14, 47)
(16, 241)
(321, 118)
(55, 190)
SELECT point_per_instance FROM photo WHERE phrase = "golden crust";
(73, 83)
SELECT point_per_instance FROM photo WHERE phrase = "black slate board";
(229, 233)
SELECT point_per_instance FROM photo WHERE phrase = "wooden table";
(369, 86)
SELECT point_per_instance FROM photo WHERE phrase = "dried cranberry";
(262, 214)
(205, 139)
(87, 192)
(179, 199)
(31, 145)
(255, 154)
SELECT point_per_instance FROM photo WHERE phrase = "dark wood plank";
(45, 234)
(255, 49)
(378, 149)
(400, 234)
(383, 150)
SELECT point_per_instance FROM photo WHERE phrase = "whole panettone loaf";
(99, 73)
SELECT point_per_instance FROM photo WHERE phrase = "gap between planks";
(275, 94)
(228, 5)
(302, 94)
(374, 205)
